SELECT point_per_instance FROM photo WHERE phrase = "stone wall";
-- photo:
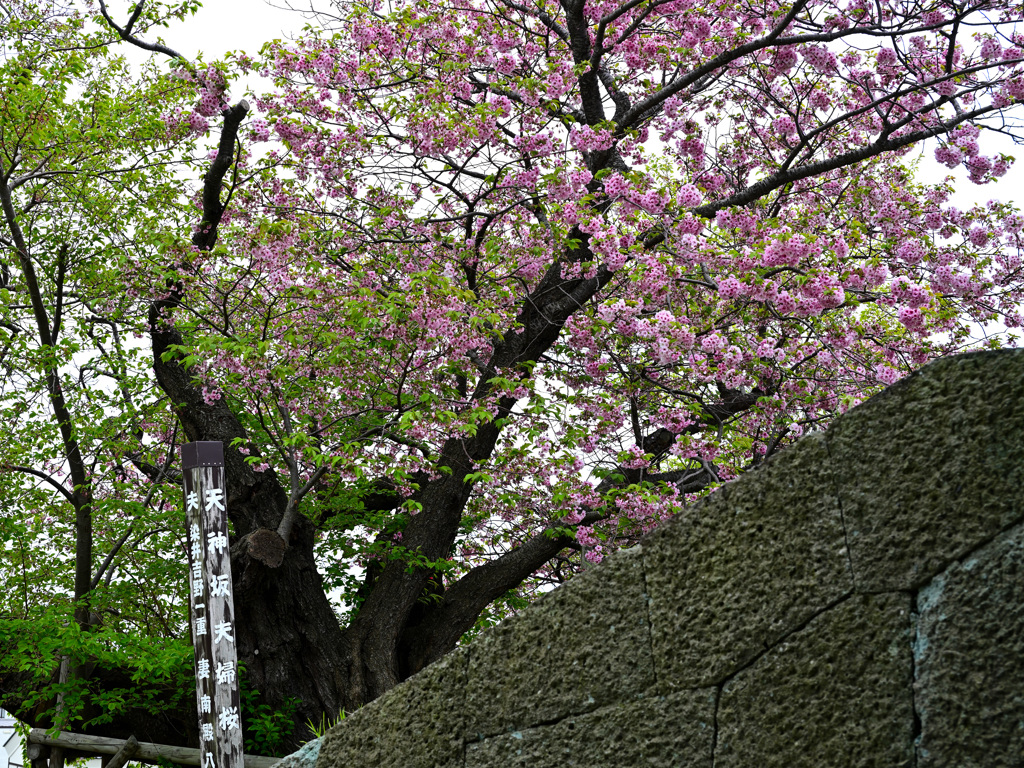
(858, 601)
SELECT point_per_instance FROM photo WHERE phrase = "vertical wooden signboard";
(212, 610)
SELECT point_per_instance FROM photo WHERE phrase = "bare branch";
(125, 32)
(43, 476)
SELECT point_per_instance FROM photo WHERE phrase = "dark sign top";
(202, 454)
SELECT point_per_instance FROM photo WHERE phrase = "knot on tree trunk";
(265, 546)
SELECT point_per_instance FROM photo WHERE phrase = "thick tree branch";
(43, 476)
(213, 182)
(886, 142)
(291, 512)
(125, 32)
(166, 474)
(466, 598)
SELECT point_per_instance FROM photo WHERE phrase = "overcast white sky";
(229, 25)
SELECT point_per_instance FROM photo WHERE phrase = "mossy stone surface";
(305, 757)
(578, 648)
(418, 723)
(734, 573)
(673, 731)
(931, 466)
(969, 656)
(837, 693)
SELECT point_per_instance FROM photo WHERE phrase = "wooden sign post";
(212, 609)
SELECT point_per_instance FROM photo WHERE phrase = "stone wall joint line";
(796, 629)
(650, 624)
(915, 617)
(714, 722)
(842, 517)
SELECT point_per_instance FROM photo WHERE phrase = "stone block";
(415, 725)
(674, 731)
(931, 467)
(305, 757)
(969, 660)
(837, 693)
(734, 573)
(582, 646)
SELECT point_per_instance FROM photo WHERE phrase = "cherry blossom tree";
(484, 290)
(542, 271)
